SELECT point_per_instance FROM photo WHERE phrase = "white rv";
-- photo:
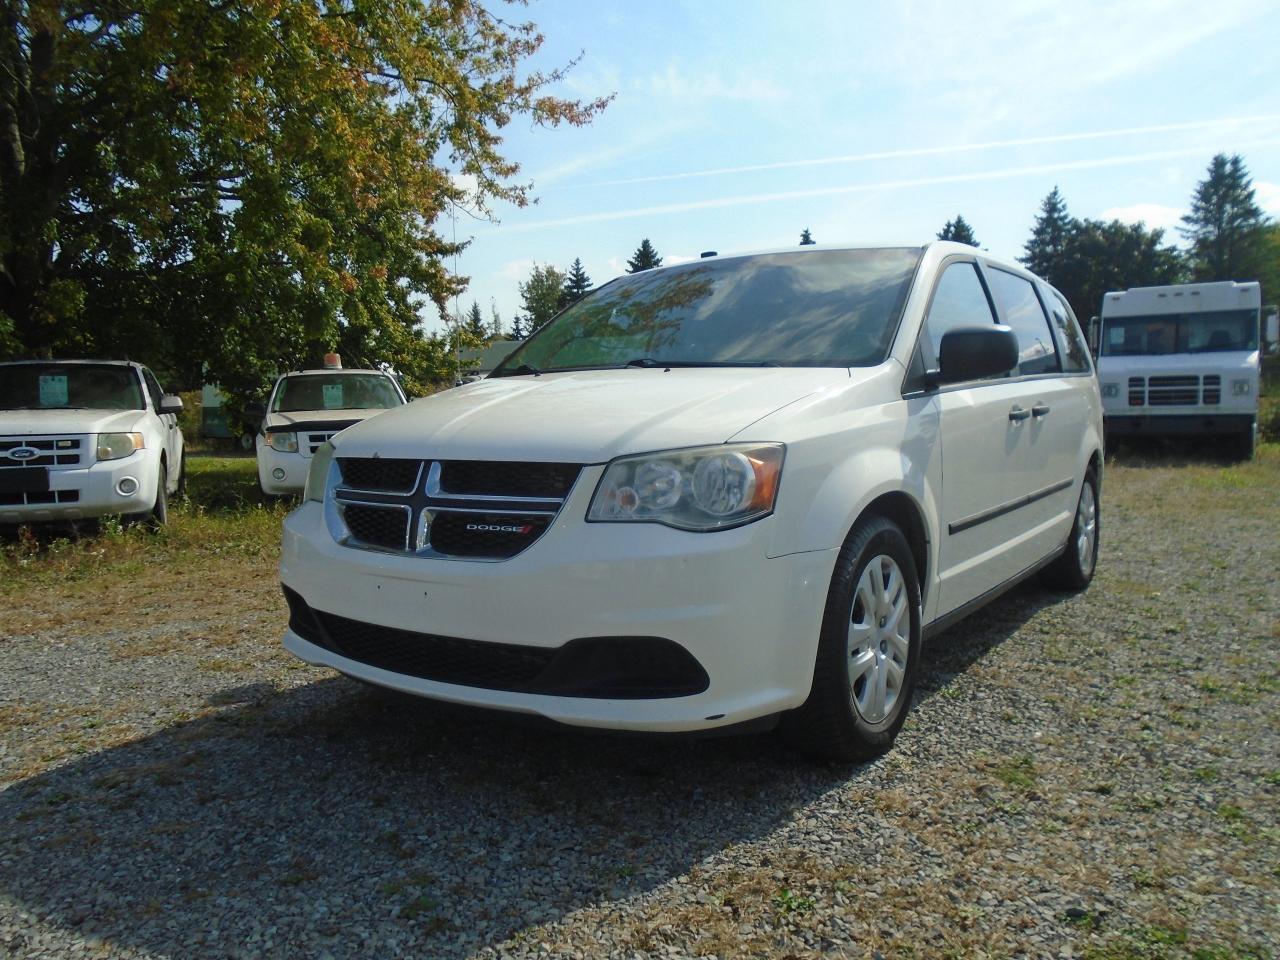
(1182, 360)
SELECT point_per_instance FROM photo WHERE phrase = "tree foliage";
(959, 231)
(576, 284)
(645, 258)
(1099, 256)
(474, 323)
(1048, 240)
(1225, 225)
(806, 238)
(241, 185)
(541, 296)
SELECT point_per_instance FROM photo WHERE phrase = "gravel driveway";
(1088, 776)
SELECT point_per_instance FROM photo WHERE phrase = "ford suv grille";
(451, 509)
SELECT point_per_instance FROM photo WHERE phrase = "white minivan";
(86, 438)
(728, 492)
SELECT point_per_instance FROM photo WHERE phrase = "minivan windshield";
(335, 391)
(69, 386)
(828, 308)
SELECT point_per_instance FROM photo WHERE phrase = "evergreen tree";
(1225, 225)
(806, 238)
(645, 258)
(959, 231)
(576, 284)
(1042, 253)
(541, 295)
(495, 322)
(475, 323)
(517, 328)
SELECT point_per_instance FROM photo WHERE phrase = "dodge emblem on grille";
(499, 528)
(23, 453)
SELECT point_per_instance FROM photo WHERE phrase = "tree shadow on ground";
(1173, 451)
(330, 817)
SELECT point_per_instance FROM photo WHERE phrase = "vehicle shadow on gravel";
(330, 817)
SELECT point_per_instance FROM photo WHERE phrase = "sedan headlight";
(283, 441)
(703, 488)
(318, 474)
(1240, 387)
(113, 446)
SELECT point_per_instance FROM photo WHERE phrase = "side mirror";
(170, 404)
(976, 351)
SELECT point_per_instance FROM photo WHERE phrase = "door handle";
(1040, 410)
(1017, 414)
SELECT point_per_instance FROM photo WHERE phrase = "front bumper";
(1179, 424)
(751, 623)
(94, 489)
(293, 469)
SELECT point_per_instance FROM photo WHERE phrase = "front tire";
(1074, 569)
(159, 515)
(868, 650)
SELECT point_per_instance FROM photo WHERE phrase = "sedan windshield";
(830, 308)
(69, 386)
(335, 391)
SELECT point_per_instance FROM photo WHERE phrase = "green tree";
(240, 186)
(1225, 225)
(576, 284)
(519, 329)
(645, 258)
(1043, 251)
(1097, 257)
(475, 324)
(541, 296)
(495, 322)
(806, 238)
(959, 231)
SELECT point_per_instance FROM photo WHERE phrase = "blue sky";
(738, 124)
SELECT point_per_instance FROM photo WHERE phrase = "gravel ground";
(1091, 776)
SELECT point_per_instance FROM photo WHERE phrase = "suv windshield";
(69, 386)
(836, 308)
(335, 391)
(1209, 332)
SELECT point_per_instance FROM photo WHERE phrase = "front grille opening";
(39, 498)
(1179, 391)
(1212, 389)
(370, 473)
(627, 668)
(496, 479)
(386, 527)
(495, 535)
(1137, 391)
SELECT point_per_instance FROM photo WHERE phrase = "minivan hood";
(38, 423)
(588, 416)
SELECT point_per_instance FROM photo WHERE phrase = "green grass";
(225, 515)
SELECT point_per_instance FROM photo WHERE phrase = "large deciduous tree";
(1225, 226)
(222, 187)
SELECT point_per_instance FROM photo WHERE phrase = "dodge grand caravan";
(740, 489)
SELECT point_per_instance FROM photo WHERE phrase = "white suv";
(728, 491)
(308, 407)
(86, 438)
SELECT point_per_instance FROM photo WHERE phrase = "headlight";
(705, 488)
(113, 446)
(318, 475)
(1240, 388)
(283, 442)
(1111, 389)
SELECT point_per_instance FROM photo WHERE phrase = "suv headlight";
(318, 474)
(702, 488)
(283, 442)
(113, 446)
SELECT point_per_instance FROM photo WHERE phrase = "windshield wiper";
(523, 370)
(648, 362)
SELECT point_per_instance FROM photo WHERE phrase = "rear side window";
(1023, 312)
(1075, 351)
(958, 300)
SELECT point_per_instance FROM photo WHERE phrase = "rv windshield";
(1217, 331)
(830, 308)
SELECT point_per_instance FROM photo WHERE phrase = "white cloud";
(1268, 196)
(671, 259)
(1156, 216)
(709, 85)
(517, 270)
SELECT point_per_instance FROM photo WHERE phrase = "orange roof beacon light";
(332, 361)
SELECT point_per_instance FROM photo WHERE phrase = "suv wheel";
(160, 512)
(1074, 569)
(868, 650)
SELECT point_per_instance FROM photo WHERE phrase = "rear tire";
(1074, 569)
(868, 650)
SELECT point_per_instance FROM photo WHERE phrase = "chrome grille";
(450, 509)
(314, 439)
(61, 452)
